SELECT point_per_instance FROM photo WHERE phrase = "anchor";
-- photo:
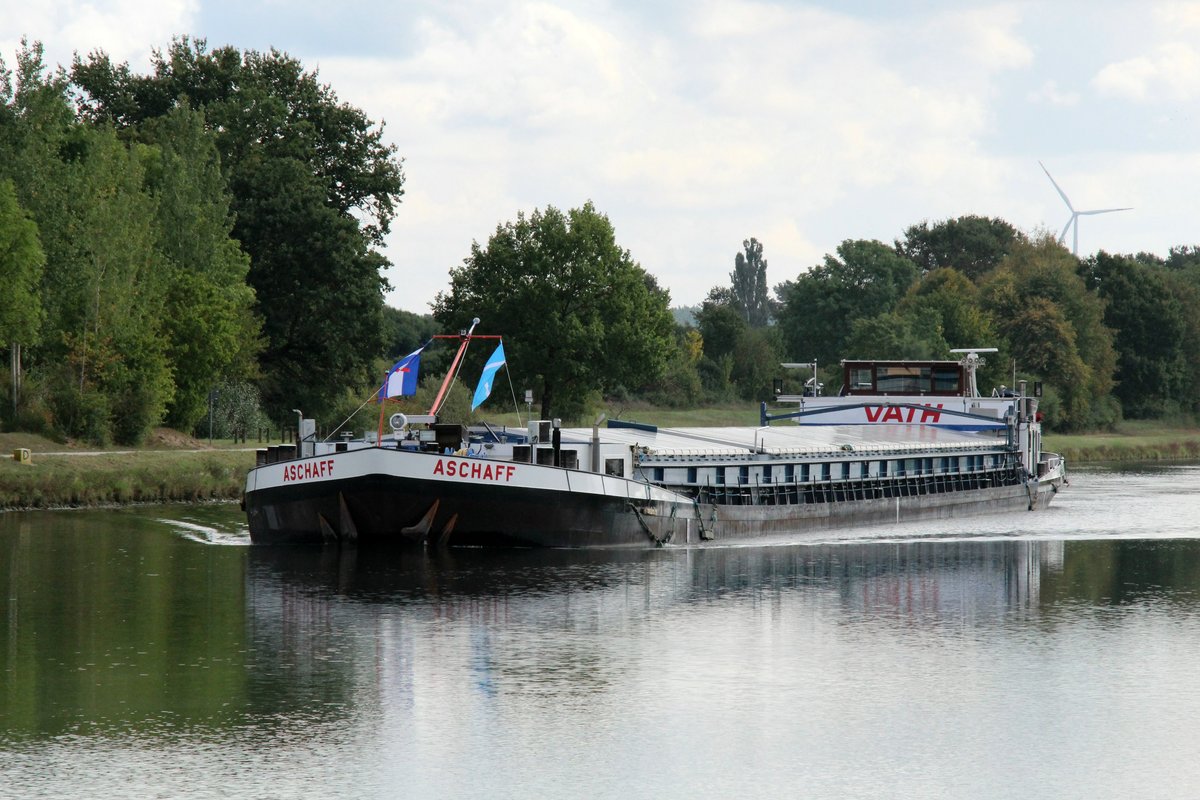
(420, 531)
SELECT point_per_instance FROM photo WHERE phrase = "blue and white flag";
(402, 378)
(489, 373)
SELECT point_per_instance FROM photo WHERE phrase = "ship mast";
(453, 371)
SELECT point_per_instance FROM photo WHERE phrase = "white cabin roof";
(847, 441)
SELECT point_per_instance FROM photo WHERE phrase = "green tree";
(1054, 327)
(111, 288)
(579, 313)
(954, 301)
(756, 363)
(971, 244)
(101, 358)
(314, 191)
(1148, 320)
(915, 334)
(211, 331)
(21, 263)
(405, 331)
(720, 323)
(817, 310)
(749, 293)
(679, 386)
(1183, 257)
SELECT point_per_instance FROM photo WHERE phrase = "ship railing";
(872, 487)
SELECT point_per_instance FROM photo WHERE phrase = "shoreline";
(120, 478)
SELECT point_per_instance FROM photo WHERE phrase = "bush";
(236, 411)
(137, 411)
(82, 414)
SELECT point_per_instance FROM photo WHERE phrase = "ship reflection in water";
(576, 623)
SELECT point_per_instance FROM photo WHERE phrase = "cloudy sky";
(695, 125)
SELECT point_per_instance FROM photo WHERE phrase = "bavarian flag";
(489, 373)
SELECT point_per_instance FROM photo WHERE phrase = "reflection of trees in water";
(1127, 571)
(113, 627)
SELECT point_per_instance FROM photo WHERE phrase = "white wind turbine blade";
(1057, 188)
(1062, 236)
(1104, 210)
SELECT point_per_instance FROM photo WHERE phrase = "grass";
(1133, 440)
(143, 476)
(169, 468)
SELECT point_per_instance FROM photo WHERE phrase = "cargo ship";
(908, 455)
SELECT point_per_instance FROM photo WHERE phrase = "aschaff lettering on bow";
(471, 469)
(307, 470)
(928, 413)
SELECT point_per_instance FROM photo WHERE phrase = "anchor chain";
(637, 512)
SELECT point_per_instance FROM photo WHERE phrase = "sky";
(694, 126)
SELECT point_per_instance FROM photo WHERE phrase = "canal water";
(152, 652)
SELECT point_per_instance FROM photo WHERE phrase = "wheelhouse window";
(861, 378)
(901, 380)
(903, 377)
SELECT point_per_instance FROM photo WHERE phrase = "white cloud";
(1050, 94)
(1177, 17)
(758, 119)
(125, 29)
(1171, 72)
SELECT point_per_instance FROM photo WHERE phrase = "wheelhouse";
(936, 378)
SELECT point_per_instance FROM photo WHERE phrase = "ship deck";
(792, 440)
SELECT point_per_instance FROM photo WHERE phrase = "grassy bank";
(63, 476)
(1131, 441)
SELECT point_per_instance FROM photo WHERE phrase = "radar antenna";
(970, 361)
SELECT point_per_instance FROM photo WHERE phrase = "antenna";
(1075, 215)
(971, 361)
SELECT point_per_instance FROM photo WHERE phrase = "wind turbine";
(1075, 215)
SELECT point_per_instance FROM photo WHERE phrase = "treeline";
(1108, 336)
(208, 232)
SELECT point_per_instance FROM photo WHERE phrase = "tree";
(405, 331)
(679, 386)
(212, 334)
(867, 278)
(720, 323)
(755, 363)
(749, 293)
(21, 263)
(109, 296)
(581, 315)
(971, 244)
(1143, 310)
(100, 360)
(954, 300)
(314, 191)
(1054, 327)
(915, 335)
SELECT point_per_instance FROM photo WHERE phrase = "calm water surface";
(153, 653)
